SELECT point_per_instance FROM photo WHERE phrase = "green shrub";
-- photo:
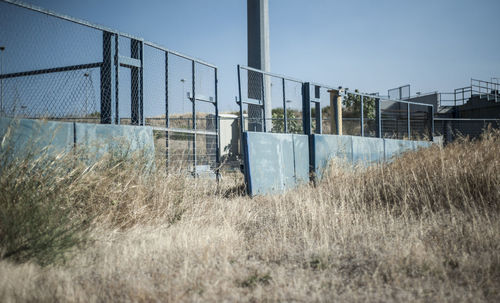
(38, 219)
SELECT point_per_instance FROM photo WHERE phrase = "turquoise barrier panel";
(366, 151)
(394, 147)
(301, 158)
(20, 137)
(356, 150)
(126, 140)
(275, 162)
(326, 147)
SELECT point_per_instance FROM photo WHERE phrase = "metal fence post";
(318, 118)
(362, 118)
(408, 119)
(264, 116)
(193, 100)
(167, 120)
(431, 117)
(217, 129)
(136, 101)
(242, 122)
(378, 118)
(109, 77)
(285, 119)
(306, 108)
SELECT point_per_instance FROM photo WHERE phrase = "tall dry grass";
(423, 228)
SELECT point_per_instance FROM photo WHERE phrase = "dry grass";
(424, 228)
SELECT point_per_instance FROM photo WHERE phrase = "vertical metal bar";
(2, 48)
(378, 117)
(136, 84)
(242, 122)
(306, 108)
(317, 109)
(167, 119)
(264, 118)
(142, 120)
(408, 119)
(117, 82)
(431, 114)
(108, 77)
(335, 105)
(285, 118)
(217, 130)
(362, 117)
(193, 96)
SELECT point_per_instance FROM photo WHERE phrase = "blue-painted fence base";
(18, 137)
(277, 162)
(356, 150)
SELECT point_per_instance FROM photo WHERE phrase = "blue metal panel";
(326, 147)
(123, 139)
(20, 137)
(393, 148)
(301, 158)
(367, 151)
(275, 162)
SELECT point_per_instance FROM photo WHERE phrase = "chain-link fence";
(310, 108)
(269, 102)
(59, 68)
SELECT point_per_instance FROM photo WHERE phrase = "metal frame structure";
(309, 102)
(261, 104)
(399, 91)
(460, 96)
(109, 72)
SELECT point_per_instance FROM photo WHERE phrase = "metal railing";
(57, 67)
(490, 90)
(480, 88)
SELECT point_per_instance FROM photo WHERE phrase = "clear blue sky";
(365, 44)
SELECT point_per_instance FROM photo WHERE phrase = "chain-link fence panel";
(269, 102)
(420, 122)
(60, 68)
(49, 67)
(394, 119)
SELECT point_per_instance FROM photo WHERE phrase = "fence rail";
(61, 68)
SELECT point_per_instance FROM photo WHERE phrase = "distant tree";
(293, 117)
(352, 106)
